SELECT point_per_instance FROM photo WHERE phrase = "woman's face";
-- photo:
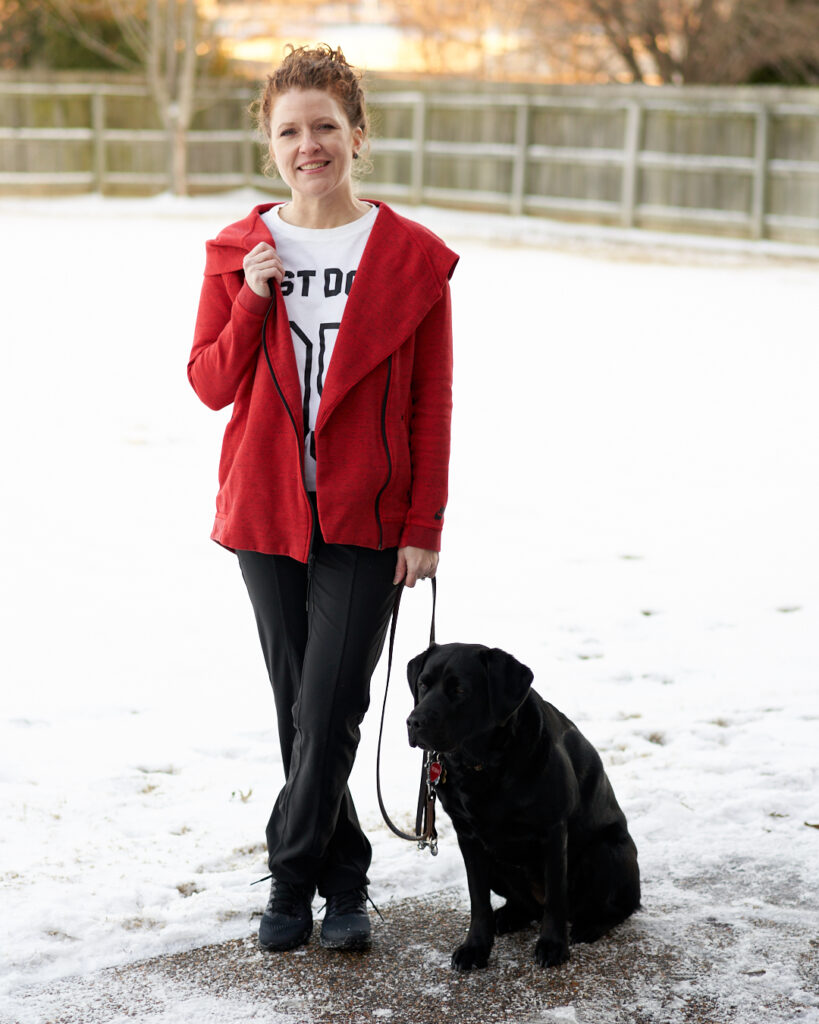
(312, 143)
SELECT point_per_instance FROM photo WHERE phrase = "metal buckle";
(436, 772)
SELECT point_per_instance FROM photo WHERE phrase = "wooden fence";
(741, 162)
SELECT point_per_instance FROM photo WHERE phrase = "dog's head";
(462, 691)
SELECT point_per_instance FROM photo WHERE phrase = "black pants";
(321, 649)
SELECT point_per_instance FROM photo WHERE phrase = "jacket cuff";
(426, 537)
(250, 301)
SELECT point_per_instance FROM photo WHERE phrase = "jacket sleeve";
(226, 339)
(430, 422)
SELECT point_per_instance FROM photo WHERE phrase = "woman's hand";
(415, 564)
(260, 265)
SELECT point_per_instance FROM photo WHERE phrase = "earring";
(355, 155)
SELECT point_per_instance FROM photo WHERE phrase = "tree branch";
(132, 28)
(614, 24)
(65, 13)
(187, 85)
(153, 64)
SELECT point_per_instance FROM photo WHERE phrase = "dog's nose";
(415, 722)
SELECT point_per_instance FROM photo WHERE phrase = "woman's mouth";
(315, 165)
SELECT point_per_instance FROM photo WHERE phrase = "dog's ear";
(509, 683)
(415, 667)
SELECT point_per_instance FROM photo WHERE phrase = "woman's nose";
(309, 143)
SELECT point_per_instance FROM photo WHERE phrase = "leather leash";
(431, 771)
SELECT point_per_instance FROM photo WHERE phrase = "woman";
(325, 320)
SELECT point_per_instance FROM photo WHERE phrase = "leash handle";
(426, 834)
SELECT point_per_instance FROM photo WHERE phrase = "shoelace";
(349, 902)
(352, 895)
(286, 899)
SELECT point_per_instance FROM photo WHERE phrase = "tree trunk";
(178, 138)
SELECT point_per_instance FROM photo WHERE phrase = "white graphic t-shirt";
(320, 265)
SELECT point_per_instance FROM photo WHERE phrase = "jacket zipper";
(311, 558)
(389, 457)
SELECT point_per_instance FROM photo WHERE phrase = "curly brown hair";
(319, 67)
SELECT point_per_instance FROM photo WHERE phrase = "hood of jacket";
(401, 276)
(225, 253)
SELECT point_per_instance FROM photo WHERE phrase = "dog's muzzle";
(416, 723)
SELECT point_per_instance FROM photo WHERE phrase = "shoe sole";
(276, 947)
(353, 944)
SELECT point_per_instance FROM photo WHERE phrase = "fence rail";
(741, 162)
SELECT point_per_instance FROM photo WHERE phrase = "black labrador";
(535, 814)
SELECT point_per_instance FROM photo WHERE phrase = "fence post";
(419, 128)
(631, 149)
(98, 127)
(517, 201)
(760, 185)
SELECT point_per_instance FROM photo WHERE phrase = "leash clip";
(435, 772)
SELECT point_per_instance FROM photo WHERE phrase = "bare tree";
(163, 36)
(453, 34)
(654, 41)
(705, 41)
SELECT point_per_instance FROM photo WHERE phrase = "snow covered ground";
(634, 500)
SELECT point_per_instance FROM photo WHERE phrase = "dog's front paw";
(549, 953)
(468, 956)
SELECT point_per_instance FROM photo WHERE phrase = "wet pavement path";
(660, 966)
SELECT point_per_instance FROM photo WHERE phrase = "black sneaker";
(288, 920)
(346, 924)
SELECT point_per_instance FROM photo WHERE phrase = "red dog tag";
(435, 771)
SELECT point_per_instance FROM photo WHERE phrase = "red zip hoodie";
(383, 427)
